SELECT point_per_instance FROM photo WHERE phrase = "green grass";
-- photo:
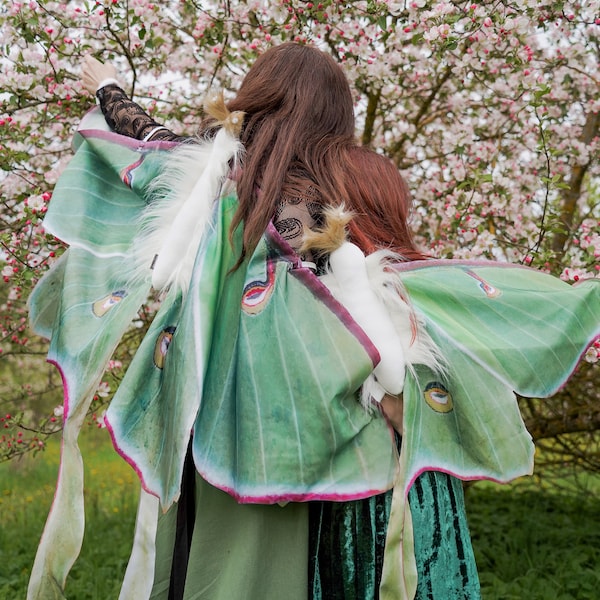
(529, 543)
(111, 494)
(535, 545)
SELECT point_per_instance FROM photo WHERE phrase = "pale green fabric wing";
(83, 305)
(280, 419)
(265, 366)
(501, 329)
(153, 412)
(98, 199)
(527, 328)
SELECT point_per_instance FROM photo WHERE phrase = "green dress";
(209, 547)
(240, 551)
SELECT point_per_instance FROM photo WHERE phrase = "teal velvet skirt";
(347, 541)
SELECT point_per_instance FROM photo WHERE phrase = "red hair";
(380, 199)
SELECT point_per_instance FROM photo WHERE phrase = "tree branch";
(569, 199)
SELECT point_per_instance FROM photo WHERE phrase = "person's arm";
(393, 407)
(128, 118)
(122, 114)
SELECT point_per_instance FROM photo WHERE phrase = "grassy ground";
(535, 545)
(529, 544)
(26, 493)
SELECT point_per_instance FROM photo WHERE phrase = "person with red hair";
(380, 202)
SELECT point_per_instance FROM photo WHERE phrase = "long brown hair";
(380, 199)
(299, 118)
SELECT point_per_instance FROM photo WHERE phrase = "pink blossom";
(103, 389)
(458, 111)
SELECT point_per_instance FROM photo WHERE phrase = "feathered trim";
(419, 348)
(332, 235)
(183, 196)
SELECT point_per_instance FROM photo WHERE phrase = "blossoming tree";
(491, 111)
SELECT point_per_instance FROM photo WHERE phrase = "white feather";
(183, 197)
(371, 391)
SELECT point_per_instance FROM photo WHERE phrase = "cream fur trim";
(183, 197)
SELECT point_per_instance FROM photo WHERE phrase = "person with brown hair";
(380, 201)
(299, 120)
(300, 156)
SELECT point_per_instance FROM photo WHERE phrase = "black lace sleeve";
(128, 118)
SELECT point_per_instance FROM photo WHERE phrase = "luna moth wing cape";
(89, 299)
(264, 365)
